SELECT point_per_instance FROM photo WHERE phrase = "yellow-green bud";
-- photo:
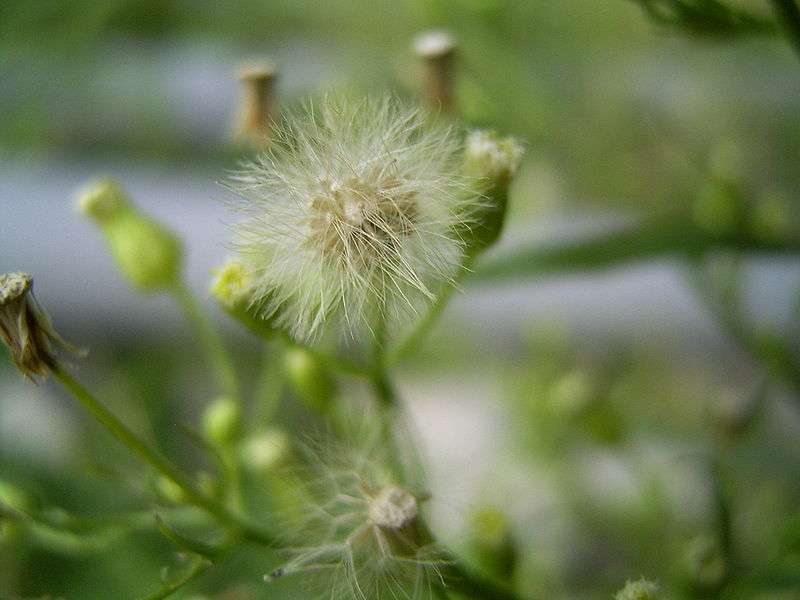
(147, 253)
(638, 590)
(310, 379)
(222, 420)
(232, 286)
(102, 200)
(170, 491)
(265, 450)
(492, 163)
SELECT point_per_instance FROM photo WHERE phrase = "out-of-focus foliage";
(707, 17)
(625, 453)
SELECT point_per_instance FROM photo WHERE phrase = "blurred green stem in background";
(209, 337)
(153, 458)
(194, 569)
(675, 234)
(789, 16)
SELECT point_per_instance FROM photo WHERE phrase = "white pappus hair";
(352, 217)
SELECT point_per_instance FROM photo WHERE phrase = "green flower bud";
(310, 379)
(492, 163)
(638, 590)
(148, 254)
(232, 286)
(222, 421)
(265, 450)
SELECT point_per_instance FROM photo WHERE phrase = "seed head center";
(360, 218)
(393, 508)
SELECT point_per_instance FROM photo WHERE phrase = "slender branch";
(789, 16)
(210, 338)
(153, 458)
(780, 361)
(644, 239)
(473, 585)
(182, 578)
(424, 326)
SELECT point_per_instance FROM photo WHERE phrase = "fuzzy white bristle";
(352, 217)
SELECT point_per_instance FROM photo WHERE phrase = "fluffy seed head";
(352, 216)
(354, 527)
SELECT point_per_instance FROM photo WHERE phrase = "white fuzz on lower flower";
(354, 532)
(352, 217)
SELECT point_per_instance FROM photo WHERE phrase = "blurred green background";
(586, 422)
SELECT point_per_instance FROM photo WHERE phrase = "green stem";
(424, 326)
(182, 578)
(647, 238)
(210, 338)
(789, 15)
(270, 385)
(779, 360)
(153, 458)
(473, 585)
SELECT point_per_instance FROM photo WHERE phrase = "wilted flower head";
(353, 215)
(26, 329)
(355, 531)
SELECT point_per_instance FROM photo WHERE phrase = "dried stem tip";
(437, 49)
(255, 116)
(26, 329)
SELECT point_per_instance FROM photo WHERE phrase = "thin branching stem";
(169, 587)
(470, 584)
(158, 462)
(778, 359)
(413, 340)
(211, 340)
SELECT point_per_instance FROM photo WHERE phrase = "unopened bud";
(146, 252)
(492, 162)
(265, 450)
(222, 421)
(232, 286)
(102, 199)
(310, 379)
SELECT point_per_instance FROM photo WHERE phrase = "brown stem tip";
(254, 125)
(437, 49)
